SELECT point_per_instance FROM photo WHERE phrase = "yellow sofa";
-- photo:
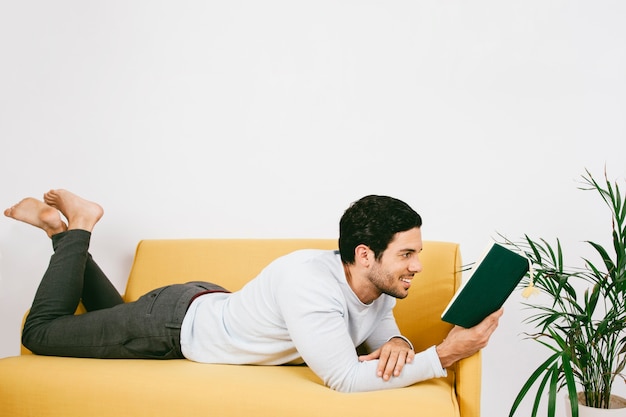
(41, 386)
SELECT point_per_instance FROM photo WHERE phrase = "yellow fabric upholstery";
(40, 386)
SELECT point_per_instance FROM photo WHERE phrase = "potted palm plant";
(583, 321)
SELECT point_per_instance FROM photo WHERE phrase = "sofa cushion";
(183, 388)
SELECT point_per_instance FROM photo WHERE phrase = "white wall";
(266, 119)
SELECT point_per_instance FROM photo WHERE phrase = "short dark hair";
(373, 221)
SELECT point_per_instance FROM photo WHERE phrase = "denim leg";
(148, 328)
(98, 292)
(61, 287)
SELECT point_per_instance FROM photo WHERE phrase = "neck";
(359, 284)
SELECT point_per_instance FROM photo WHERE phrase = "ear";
(363, 255)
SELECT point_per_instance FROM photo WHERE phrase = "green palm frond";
(585, 331)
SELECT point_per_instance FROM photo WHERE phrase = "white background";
(267, 119)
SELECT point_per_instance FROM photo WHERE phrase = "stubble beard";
(387, 283)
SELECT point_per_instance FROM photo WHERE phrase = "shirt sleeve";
(314, 315)
(386, 330)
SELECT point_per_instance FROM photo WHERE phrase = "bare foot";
(38, 214)
(80, 213)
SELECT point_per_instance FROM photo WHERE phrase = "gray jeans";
(148, 328)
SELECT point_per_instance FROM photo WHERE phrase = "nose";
(415, 266)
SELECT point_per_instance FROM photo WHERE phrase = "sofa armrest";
(468, 374)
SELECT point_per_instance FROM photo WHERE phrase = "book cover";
(493, 278)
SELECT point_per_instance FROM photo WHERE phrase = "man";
(311, 306)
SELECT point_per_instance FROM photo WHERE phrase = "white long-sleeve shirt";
(300, 309)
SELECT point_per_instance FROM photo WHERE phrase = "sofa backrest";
(233, 262)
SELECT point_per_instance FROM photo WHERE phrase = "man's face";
(393, 273)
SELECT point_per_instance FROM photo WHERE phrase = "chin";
(398, 295)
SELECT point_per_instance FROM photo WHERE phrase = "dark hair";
(373, 221)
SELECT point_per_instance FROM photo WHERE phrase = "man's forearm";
(446, 357)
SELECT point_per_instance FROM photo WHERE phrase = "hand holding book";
(461, 342)
(493, 278)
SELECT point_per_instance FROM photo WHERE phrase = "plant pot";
(617, 407)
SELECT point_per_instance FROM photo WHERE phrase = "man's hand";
(392, 356)
(461, 343)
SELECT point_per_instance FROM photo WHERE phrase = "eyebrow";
(409, 250)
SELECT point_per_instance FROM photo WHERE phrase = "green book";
(492, 279)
